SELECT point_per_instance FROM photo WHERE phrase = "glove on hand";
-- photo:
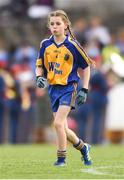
(41, 82)
(82, 96)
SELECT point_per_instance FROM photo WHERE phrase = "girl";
(59, 59)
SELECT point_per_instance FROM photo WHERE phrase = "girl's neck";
(59, 39)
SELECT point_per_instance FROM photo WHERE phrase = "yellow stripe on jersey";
(39, 62)
(58, 63)
(85, 57)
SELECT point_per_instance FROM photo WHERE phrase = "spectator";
(120, 41)
(114, 123)
(25, 55)
(19, 7)
(2, 106)
(80, 28)
(13, 102)
(43, 115)
(98, 101)
(109, 49)
(98, 31)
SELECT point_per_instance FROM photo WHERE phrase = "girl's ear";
(66, 26)
(48, 25)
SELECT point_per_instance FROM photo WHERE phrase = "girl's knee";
(58, 124)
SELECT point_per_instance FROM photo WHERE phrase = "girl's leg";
(71, 136)
(60, 117)
(79, 145)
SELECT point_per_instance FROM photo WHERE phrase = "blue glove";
(82, 96)
(41, 82)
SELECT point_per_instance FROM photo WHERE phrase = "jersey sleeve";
(82, 58)
(40, 58)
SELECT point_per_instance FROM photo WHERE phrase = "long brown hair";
(66, 20)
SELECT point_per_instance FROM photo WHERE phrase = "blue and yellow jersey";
(61, 62)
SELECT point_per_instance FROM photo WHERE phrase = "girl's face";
(57, 26)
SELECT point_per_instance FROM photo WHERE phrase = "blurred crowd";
(100, 120)
(25, 114)
(19, 97)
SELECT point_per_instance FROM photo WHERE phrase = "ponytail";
(70, 32)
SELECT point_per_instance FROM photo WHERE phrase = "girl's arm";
(38, 71)
(40, 80)
(85, 76)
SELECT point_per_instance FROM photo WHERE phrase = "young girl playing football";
(60, 58)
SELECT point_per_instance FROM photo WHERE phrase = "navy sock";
(61, 155)
(79, 145)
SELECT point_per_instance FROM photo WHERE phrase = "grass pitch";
(36, 162)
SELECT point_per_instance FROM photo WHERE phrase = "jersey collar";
(58, 45)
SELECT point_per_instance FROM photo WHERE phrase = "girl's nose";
(54, 26)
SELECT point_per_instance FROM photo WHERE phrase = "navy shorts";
(62, 95)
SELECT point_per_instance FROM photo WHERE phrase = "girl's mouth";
(55, 31)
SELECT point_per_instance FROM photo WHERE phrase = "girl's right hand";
(41, 82)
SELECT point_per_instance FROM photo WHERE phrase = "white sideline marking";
(93, 171)
(97, 171)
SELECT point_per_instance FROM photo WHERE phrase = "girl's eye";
(51, 23)
(58, 23)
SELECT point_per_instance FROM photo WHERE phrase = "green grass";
(36, 162)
